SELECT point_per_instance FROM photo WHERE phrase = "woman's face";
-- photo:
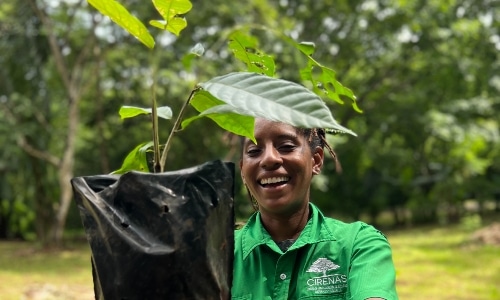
(278, 170)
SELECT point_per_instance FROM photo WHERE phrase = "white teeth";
(274, 180)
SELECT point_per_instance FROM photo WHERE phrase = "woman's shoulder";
(356, 229)
(346, 225)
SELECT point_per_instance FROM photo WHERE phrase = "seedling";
(232, 100)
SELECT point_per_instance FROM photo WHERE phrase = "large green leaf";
(163, 112)
(229, 120)
(275, 99)
(171, 10)
(121, 16)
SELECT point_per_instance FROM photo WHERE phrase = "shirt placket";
(283, 275)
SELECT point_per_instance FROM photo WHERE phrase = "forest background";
(426, 75)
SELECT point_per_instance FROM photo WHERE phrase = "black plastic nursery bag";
(160, 236)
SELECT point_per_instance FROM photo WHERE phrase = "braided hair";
(316, 138)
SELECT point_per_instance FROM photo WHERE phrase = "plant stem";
(154, 113)
(156, 144)
(177, 124)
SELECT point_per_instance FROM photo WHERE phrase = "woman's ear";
(318, 157)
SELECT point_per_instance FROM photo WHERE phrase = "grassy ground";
(432, 263)
(440, 263)
(27, 272)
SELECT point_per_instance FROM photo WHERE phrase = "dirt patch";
(489, 235)
(53, 292)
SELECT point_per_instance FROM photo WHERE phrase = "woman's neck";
(286, 227)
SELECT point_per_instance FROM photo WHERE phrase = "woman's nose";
(271, 158)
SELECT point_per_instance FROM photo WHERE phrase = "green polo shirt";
(330, 260)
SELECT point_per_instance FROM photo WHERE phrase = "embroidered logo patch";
(326, 283)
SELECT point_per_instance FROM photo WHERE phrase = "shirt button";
(283, 276)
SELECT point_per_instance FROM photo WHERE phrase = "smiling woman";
(288, 249)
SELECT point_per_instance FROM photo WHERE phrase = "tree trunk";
(71, 77)
(43, 204)
(66, 167)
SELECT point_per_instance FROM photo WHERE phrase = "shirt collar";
(254, 234)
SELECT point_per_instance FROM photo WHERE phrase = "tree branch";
(56, 51)
(22, 142)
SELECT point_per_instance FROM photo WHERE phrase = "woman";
(288, 249)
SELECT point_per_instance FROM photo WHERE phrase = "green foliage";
(170, 11)
(244, 94)
(324, 81)
(121, 16)
(232, 98)
(196, 51)
(136, 159)
(245, 48)
(205, 103)
(425, 75)
(275, 99)
(126, 111)
(471, 222)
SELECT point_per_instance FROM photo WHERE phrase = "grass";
(441, 263)
(431, 263)
(28, 272)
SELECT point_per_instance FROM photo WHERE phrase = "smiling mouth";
(274, 181)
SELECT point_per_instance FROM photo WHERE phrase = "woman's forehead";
(265, 126)
(265, 129)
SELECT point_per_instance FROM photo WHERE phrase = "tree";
(69, 52)
(321, 265)
(407, 61)
(424, 74)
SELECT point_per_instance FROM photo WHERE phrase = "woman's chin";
(279, 206)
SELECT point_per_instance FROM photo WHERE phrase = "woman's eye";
(253, 152)
(287, 148)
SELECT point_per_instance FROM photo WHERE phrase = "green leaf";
(196, 51)
(163, 112)
(132, 111)
(170, 11)
(121, 16)
(202, 100)
(207, 105)
(334, 89)
(136, 160)
(245, 48)
(274, 99)
(326, 82)
(307, 48)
